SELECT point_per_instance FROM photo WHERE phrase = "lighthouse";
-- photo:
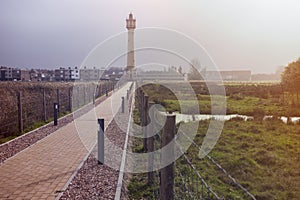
(130, 25)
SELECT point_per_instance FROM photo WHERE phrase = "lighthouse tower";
(130, 25)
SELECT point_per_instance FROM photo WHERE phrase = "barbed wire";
(197, 173)
(222, 169)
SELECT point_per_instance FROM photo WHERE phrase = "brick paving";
(42, 170)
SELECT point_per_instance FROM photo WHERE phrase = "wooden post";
(150, 146)
(141, 108)
(70, 99)
(78, 96)
(21, 128)
(97, 91)
(145, 116)
(84, 94)
(101, 141)
(106, 90)
(167, 173)
(44, 105)
(100, 88)
(57, 99)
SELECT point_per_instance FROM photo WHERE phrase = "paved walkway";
(42, 170)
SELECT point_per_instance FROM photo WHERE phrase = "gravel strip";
(94, 181)
(9, 149)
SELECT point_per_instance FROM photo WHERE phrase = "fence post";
(57, 99)
(78, 96)
(167, 173)
(84, 95)
(70, 99)
(141, 108)
(97, 90)
(145, 116)
(123, 105)
(44, 105)
(55, 110)
(100, 88)
(150, 146)
(20, 112)
(127, 95)
(101, 141)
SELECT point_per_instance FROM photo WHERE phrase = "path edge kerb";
(119, 186)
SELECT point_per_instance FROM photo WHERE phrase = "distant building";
(41, 75)
(238, 75)
(171, 74)
(25, 75)
(88, 74)
(2, 73)
(46, 75)
(75, 75)
(62, 74)
(8, 74)
(266, 77)
(33, 73)
(16, 74)
(12, 74)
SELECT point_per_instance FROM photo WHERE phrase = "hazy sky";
(238, 34)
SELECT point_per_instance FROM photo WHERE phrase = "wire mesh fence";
(188, 182)
(26, 105)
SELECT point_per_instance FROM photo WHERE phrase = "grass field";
(237, 105)
(240, 99)
(263, 156)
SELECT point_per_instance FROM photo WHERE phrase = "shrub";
(258, 114)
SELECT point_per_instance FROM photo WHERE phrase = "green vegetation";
(244, 99)
(236, 105)
(138, 187)
(32, 127)
(263, 156)
(291, 81)
(6, 139)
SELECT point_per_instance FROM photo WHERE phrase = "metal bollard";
(123, 105)
(127, 95)
(55, 107)
(106, 91)
(101, 142)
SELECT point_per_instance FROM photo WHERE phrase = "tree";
(290, 78)
(196, 71)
